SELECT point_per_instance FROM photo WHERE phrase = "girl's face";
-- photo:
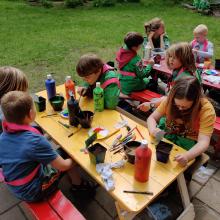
(200, 38)
(174, 62)
(92, 78)
(183, 104)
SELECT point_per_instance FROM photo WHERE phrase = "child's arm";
(62, 164)
(111, 96)
(208, 54)
(200, 147)
(143, 71)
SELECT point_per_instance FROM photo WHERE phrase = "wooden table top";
(161, 175)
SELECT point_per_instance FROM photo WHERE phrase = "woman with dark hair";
(186, 117)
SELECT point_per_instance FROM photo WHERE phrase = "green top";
(129, 83)
(175, 75)
(156, 42)
(111, 92)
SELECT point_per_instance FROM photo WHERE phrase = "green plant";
(103, 3)
(73, 3)
(133, 0)
(46, 3)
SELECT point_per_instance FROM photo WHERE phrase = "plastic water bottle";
(73, 110)
(69, 87)
(98, 96)
(142, 162)
(147, 52)
(50, 86)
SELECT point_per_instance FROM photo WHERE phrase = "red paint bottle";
(70, 88)
(142, 162)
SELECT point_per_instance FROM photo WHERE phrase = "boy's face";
(92, 78)
(200, 38)
(136, 48)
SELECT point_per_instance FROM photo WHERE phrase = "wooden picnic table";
(161, 175)
(164, 70)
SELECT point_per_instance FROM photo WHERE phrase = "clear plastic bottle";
(142, 162)
(147, 52)
(98, 97)
(50, 86)
(69, 87)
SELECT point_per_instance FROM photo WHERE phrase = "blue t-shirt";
(20, 153)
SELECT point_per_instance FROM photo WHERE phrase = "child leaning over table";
(179, 59)
(202, 48)
(133, 74)
(32, 169)
(92, 69)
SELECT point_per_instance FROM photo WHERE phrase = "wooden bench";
(145, 95)
(57, 207)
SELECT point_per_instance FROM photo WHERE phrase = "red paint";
(69, 86)
(142, 162)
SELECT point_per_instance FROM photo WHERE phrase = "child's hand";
(81, 90)
(150, 62)
(151, 34)
(144, 106)
(181, 159)
(195, 51)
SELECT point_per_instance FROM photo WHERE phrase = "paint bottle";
(98, 97)
(50, 86)
(69, 87)
(142, 162)
(73, 110)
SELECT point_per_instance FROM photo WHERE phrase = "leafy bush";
(73, 3)
(133, 0)
(104, 3)
(46, 3)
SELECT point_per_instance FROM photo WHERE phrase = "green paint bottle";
(98, 97)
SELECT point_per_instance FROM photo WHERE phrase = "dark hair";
(133, 39)
(16, 105)
(183, 52)
(189, 88)
(88, 64)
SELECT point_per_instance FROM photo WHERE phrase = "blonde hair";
(16, 105)
(201, 29)
(12, 79)
(183, 52)
(153, 25)
(88, 64)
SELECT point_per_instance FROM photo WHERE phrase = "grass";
(41, 41)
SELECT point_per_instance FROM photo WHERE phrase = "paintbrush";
(139, 192)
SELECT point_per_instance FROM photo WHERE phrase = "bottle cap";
(49, 76)
(144, 143)
(68, 77)
(97, 84)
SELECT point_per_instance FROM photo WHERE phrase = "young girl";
(132, 71)
(202, 48)
(180, 60)
(92, 69)
(11, 79)
(189, 118)
(156, 35)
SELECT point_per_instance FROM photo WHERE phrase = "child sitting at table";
(185, 117)
(25, 154)
(180, 60)
(132, 71)
(156, 35)
(202, 48)
(11, 79)
(92, 69)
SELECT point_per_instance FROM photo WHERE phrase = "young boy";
(202, 48)
(132, 71)
(92, 69)
(25, 154)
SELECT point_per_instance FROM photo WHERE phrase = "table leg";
(123, 214)
(188, 213)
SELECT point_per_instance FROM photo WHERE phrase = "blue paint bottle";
(50, 86)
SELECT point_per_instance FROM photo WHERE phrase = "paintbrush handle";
(138, 192)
